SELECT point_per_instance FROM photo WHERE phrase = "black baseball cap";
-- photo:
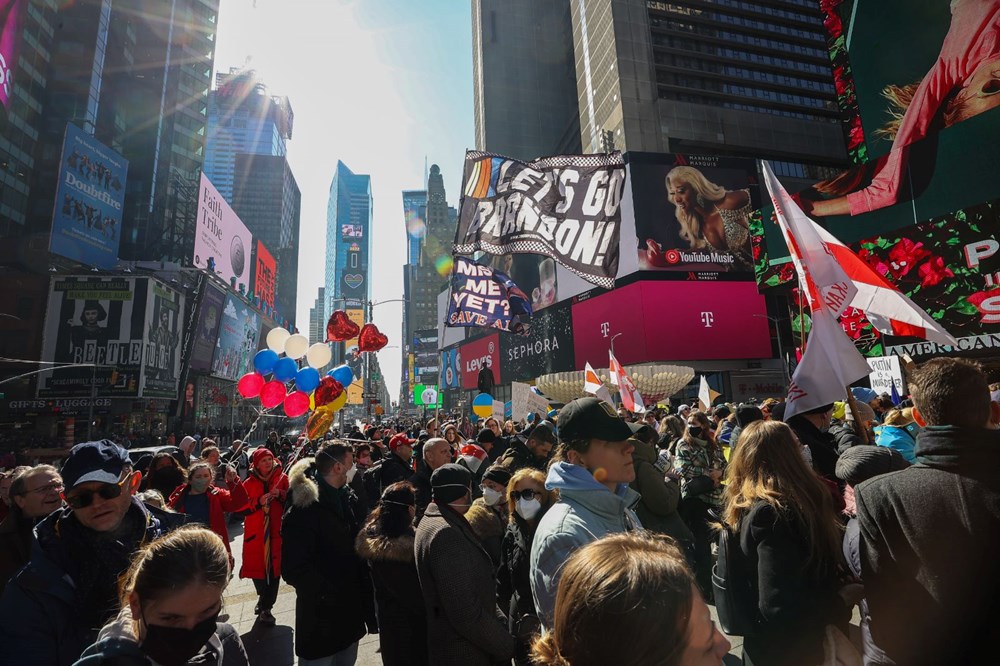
(590, 418)
(101, 461)
(640, 427)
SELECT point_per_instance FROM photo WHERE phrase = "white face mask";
(491, 496)
(528, 509)
(351, 472)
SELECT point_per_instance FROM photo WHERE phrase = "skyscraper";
(243, 117)
(414, 215)
(348, 243)
(268, 201)
(524, 78)
(317, 325)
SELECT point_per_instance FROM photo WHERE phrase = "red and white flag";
(631, 398)
(593, 385)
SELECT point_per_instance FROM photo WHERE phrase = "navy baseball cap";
(101, 461)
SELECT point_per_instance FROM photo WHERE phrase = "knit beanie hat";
(450, 482)
(498, 474)
(747, 414)
(862, 462)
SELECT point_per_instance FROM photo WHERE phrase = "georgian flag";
(631, 398)
(593, 385)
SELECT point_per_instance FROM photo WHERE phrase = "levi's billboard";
(221, 239)
(479, 354)
(672, 321)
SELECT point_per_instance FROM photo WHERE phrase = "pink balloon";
(296, 404)
(250, 384)
(271, 394)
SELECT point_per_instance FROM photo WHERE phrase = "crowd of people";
(589, 537)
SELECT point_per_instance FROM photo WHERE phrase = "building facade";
(317, 324)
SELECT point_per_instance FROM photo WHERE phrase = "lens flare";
(443, 265)
(415, 225)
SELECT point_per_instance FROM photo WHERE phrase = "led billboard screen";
(237, 340)
(221, 241)
(265, 279)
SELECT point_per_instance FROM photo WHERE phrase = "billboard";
(918, 95)
(451, 369)
(11, 13)
(265, 276)
(87, 213)
(692, 212)
(94, 320)
(355, 392)
(696, 321)
(237, 340)
(352, 231)
(162, 362)
(207, 332)
(221, 240)
(477, 355)
(548, 346)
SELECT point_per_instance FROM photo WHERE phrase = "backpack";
(733, 594)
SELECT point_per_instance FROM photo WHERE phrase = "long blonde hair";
(768, 466)
(900, 98)
(706, 191)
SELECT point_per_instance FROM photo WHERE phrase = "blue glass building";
(348, 240)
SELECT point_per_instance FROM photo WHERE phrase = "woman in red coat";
(265, 486)
(207, 504)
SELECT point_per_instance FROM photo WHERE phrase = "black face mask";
(174, 646)
(695, 431)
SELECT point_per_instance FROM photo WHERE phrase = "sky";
(378, 84)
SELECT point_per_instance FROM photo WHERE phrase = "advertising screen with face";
(163, 338)
(237, 341)
(919, 83)
(207, 331)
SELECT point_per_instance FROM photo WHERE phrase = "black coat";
(464, 625)
(401, 613)
(514, 587)
(319, 561)
(844, 436)
(421, 481)
(15, 546)
(393, 470)
(821, 444)
(793, 606)
(930, 544)
(518, 456)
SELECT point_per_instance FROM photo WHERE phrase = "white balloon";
(296, 346)
(276, 339)
(319, 355)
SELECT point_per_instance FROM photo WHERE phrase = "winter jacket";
(382, 474)
(165, 481)
(894, 437)
(514, 587)
(402, 618)
(870, 652)
(464, 625)
(930, 543)
(585, 512)
(794, 606)
(421, 481)
(39, 611)
(15, 546)
(488, 526)
(657, 507)
(518, 456)
(220, 501)
(318, 560)
(844, 436)
(694, 460)
(253, 525)
(821, 445)
(116, 646)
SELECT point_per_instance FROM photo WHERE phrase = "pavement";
(275, 646)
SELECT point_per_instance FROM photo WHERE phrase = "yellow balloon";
(312, 401)
(319, 422)
(339, 403)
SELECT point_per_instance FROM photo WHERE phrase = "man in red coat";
(266, 485)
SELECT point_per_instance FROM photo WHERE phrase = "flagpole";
(853, 404)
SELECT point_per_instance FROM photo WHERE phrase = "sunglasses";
(526, 494)
(85, 498)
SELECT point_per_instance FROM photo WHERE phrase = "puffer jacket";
(657, 507)
(585, 512)
(899, 438)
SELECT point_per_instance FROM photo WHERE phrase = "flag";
(631, 398)
(706, 396)
(894, 394)
(473, 456)
(483, 297)
(593, 385)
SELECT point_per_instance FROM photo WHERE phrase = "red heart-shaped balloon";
(340, 327)
(329, 389)
(371, 339)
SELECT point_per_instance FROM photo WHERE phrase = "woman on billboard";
(709, 215)
(963, 82)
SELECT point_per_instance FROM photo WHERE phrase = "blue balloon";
(285, 369)
(343, 374)
(307, 379)
(264, 361)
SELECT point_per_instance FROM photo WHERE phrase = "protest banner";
(886, 373)
(485, 298)
(524, 401)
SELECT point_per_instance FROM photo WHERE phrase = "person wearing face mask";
(386, 543)
(591, 470)
(266, 487)
(488, 514)
(701, 466)
(527, 502)
(34, 494)
(464, 625)
(170, 604)
(207, 504)
(318, 557)
(813, 430)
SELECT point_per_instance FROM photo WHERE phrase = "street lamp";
(781, 349)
